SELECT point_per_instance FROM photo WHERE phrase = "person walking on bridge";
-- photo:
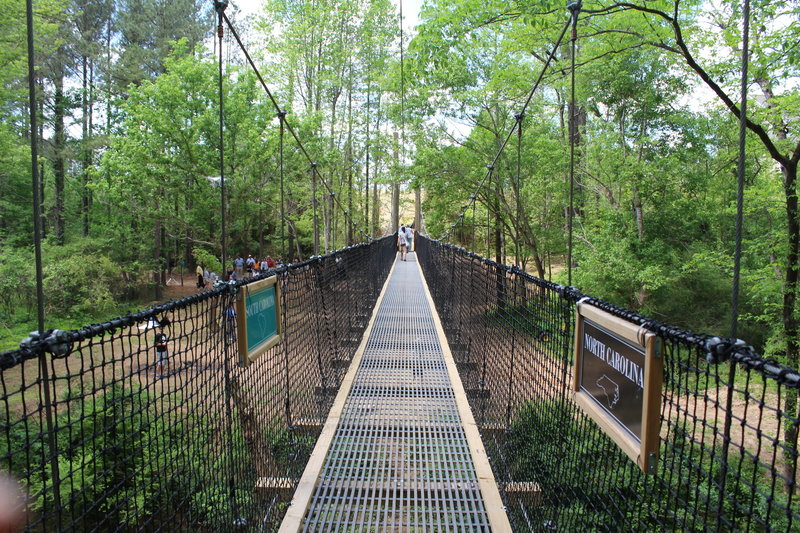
(402, 241)
(410, 237)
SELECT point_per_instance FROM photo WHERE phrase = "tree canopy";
(129, 102)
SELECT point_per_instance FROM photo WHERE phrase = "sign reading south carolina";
(613, 374)
(259, 304)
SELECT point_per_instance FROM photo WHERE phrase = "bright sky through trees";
(410, 9)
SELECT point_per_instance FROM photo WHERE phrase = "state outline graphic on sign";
(608, 388)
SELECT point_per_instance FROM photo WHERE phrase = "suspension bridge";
(442, 393)
(433, 394)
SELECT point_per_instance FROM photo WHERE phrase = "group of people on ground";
(237, 270)
(240, 265)
(251, 266)
(405, 239)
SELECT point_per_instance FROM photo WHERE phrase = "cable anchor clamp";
(53, 340)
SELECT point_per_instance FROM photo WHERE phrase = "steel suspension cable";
(37, 246)
(737, 254)
(220, 7)
(367, 150)
(740, 170)
(489, 212)
(288, 126)
(402, 102)
(37, 206)
(519, 117)
(573, 132)
(491, 166)
(282, 118)
(314, 206)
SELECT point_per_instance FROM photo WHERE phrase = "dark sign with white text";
(612, 373)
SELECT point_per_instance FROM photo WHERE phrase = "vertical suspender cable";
(474, 218)
(314, 206)
(366, 188)
(740, 170)
(220, 6)
(737, 254)
(573, 127)
(489, 213)
(517, 247)
(37, 242)
(282, 117)
(402, 102)
(37, 207)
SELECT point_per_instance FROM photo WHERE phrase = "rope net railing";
(197, 442)
(719, 469)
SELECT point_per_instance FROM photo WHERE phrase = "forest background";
(129, 135)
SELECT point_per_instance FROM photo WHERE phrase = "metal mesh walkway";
(399, 459)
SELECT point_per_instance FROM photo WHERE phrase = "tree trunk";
(43, 219)
(86, 140)
(790, 321)
(261, 233)
(396, 189)
(158, 267)
(59, 145)
(417, 208)
(349, 218)
(334, 217)
(290, 247)
(326, 220)
(376, 207)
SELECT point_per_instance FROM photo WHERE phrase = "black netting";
(723, 465)
(101, 442)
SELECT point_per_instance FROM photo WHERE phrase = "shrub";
(208, 260)
(111, 456)
(17, 284)
(588, 485)
(81, 284)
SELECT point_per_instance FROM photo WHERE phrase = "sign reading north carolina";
(617, 381)
(613, 374)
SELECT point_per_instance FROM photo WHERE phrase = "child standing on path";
(162, 357)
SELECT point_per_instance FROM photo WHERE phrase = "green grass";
(14, 328)
(12, 332)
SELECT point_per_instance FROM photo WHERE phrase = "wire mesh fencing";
(727, 454)
(106, 431)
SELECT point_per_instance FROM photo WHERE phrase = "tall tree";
(92, 20)
(146, 29)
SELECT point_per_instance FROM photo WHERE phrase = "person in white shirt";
(402, 241)
(410, 238)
